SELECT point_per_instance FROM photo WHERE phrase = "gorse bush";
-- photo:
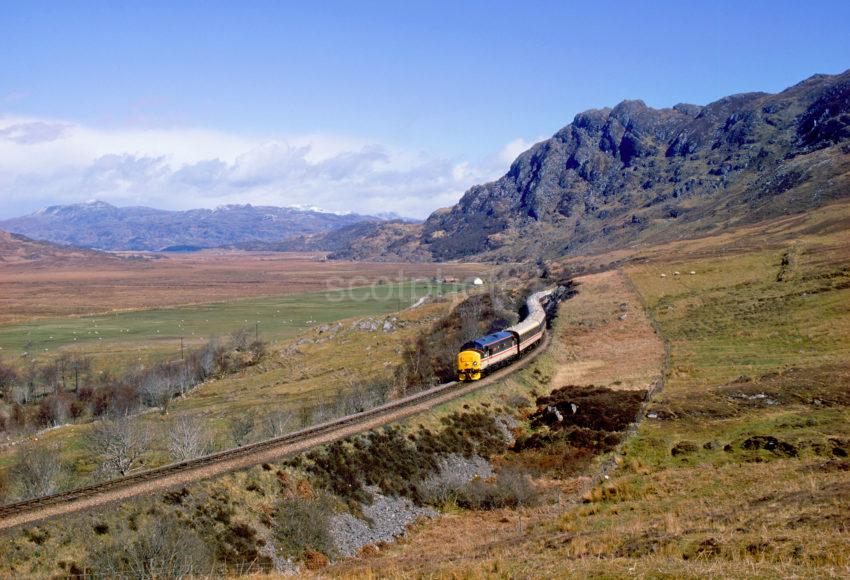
(160, 549)
(395, 460)
(303, 525)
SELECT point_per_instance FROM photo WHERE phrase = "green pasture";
(273, 318)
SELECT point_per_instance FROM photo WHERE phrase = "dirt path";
(607, 338)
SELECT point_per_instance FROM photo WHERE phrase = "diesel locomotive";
(500, 348)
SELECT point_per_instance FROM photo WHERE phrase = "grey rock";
(386, 518)
(453, 473)
(631, 174)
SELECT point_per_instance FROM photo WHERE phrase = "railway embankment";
(468, 436)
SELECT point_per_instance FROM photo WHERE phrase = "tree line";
(119, 445)
(66, 389)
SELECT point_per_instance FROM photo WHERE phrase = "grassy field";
(51, 287)
(740, 469)
(296, 376)
(160, 329)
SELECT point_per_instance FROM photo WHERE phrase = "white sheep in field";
(692, 273)
(663, 275)
(675, 273)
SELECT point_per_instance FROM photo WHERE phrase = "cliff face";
(633, 174)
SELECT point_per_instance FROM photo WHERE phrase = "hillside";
(632, 174)
(17, 249)
(739, 467)
(391, 241)
(104, 226)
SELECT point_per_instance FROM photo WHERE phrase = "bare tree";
(187, 438)
(240, 339)
(209, 356)
(365, 395)
(49, 375)
(157, 390)
(63, 365)
(119, 445)
(241, 428)
(81, 367)
(19, 394)
(30, 381)
(277, 423)
(8, 379)
(305, 416)
(55, 409)
(184, 379)
(37, 471)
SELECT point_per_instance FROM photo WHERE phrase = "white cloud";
(33, 132)
(511, 151)
(46, 161)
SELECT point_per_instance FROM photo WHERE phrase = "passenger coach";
(500, 348)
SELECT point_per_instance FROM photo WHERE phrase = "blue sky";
(354, 105)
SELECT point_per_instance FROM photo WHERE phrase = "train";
(498, 349)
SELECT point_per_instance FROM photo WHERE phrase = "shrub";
(684, 448)
(37, 471)
(241, 428)
(511, 488)
(518, 401)
(303, 525)
(257, 349)
(395, 461)
(238, 546)
(161, 549)
(5, 488)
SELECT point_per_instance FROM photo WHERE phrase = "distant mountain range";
(613, 178)
(631, 175)
(103, 226)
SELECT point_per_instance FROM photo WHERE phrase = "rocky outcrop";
(631, 174)
(634, 174)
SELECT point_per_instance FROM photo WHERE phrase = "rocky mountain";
(101, 225)
(631, 174)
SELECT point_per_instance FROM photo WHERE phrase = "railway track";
(180, 474)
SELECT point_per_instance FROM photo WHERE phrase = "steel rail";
(173, 475)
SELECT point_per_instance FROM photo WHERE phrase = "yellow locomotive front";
(468, 365)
